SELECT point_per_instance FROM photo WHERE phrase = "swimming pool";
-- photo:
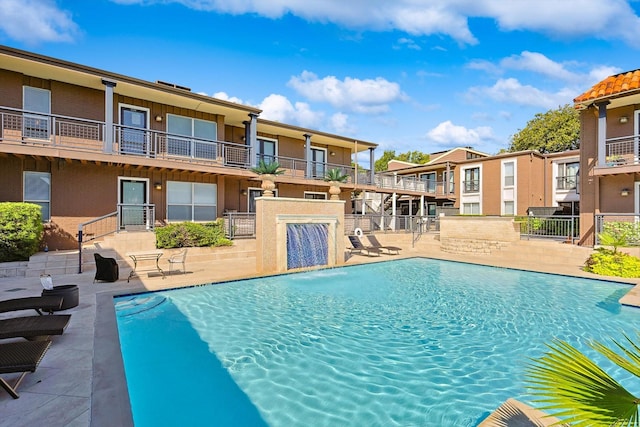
(414, 342)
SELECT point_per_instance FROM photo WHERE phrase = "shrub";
(191, 234)
(607, 262)
(21, 230)
(631, 231)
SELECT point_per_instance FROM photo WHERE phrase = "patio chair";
(178, 258)
(34, 327)
(359, 247)
(48, 304)
(20, 357)
(373, 240)
(107, 269)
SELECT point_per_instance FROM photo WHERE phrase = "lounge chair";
(48, 304)
(20, 357)
(34, 327)
(359, 247)
(178, 258)
(373, 240)
(107, 269)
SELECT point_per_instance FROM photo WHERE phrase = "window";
(509, 178)
(472, 180)
(36, 100)
(430, 179)
(188, 201)
(508, 208)
(567, 175)
(37, 190)
(318, 162)
(267, 150)
(471, 208)
(314, 195)
(198, 140)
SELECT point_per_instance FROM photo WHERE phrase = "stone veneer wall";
(477, 235)
(272, 215)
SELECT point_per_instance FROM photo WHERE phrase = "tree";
(410, 156)
(551, 132)
(569, 385)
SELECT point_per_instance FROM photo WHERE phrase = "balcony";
(621, 152)
(566, 183)
(77, 134)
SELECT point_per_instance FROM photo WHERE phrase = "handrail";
(81, 234)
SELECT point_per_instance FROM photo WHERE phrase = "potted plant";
(268, 172)
(335, 177)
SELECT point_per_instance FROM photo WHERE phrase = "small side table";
(145, 256)
(69, 293)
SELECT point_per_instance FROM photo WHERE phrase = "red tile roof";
(612, 85)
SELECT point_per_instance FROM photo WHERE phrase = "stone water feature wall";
(477, 235)
(273, 214)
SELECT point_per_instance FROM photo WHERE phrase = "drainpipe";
(108, 115)
(307, 154)
(253, 139)
(602, 132)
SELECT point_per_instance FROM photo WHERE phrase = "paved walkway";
(59, 392)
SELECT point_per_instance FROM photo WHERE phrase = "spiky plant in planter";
(268, 172)
(335, 177)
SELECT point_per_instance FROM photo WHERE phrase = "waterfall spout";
(307, 245)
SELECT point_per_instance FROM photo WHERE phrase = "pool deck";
(59, 393)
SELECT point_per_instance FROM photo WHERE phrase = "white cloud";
(448, 134)
(339, 123)
(369, 96)
(35, 21)
(512, 91)
(408, 43)
(279, 109)
(540, 64)
(557, 18)
(225, 97)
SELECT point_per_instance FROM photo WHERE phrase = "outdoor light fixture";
(333, 153)
(243, 192)
(624, 192)
(157, 186)
(158, 118)
(623, 119)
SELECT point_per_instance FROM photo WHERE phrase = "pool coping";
(110, 403)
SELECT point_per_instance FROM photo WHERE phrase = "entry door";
(252, 194)
(319, 160)
(133, 134)
(133, 203)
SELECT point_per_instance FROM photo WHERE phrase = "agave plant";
(264, 168)
(567, 384)
(616, 239)
(336, 174)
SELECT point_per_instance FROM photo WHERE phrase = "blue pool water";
(415, 342)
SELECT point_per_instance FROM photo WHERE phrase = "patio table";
(145, 256)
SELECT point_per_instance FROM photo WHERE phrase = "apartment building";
(85, 143)
(609, 141)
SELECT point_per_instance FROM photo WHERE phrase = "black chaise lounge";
(358, 246)
(373, 240)
(107, 269)
(33, 327)
(47, 304)
(20, 357)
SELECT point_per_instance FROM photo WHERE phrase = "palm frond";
(567, 384)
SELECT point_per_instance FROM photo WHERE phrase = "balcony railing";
(621, 151)
(28, 127)
(472, 186)
(566, 182)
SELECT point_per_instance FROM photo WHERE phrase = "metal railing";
(621, 151)
(136, 217)
(627, 224)
(567, 182)
(239, 225)
(411, 183)
(370, 223)
(565, 228)
(94, 229)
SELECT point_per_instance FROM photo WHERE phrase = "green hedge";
(607, 262)
(21, 230)
(191, 234)
(630, 230)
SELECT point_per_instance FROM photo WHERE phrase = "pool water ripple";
(414, 342)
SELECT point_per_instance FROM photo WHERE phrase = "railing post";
(80, 249)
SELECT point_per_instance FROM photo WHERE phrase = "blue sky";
(423, 75)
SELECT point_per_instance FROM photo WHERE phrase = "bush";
(607, 262)
(21, 230)
(631, 231)
(191, 234)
